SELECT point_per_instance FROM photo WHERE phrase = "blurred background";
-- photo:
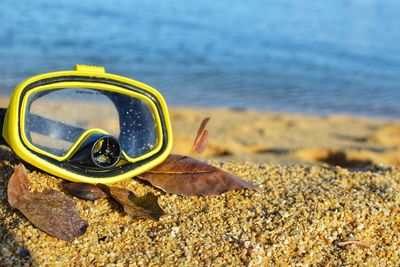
(319, 57)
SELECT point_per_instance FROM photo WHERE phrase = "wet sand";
(323, 180)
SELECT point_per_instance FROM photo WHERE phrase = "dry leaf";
(18, 186)
(50, 210)
(201, 141)
(142, 207)
(189, 177)
(84, 191)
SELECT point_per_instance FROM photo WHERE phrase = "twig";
(357, 243)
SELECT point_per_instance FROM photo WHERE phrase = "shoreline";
(289, 112)
(4, 100)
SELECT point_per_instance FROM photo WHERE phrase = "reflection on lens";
(56, 118)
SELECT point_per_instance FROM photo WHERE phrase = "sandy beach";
(285, 138)
(323, 180)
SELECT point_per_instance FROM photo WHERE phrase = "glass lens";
(56, 118)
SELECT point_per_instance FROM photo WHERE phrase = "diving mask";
(87, 125)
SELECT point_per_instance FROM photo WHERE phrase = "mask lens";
(56, 118)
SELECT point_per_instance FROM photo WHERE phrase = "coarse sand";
(304, 209)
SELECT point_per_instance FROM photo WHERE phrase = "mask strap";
(2, 116)
(41, 125)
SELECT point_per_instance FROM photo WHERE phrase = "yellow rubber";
(14, 134)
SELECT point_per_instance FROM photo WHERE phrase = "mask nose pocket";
(97, 151)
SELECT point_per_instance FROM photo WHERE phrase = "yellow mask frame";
(93, 77)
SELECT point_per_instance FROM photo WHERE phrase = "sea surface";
(323, 57)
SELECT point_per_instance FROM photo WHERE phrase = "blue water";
(305, 56)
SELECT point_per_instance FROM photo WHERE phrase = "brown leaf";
(84, 191)
(50, 210)
(18, 186)
(189, 177)
(136, 207)
(201, 141)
